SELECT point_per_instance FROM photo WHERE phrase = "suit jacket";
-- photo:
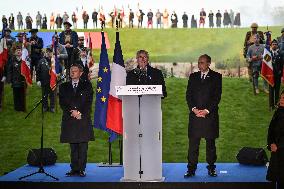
(204, 95)
(72, 129)
(153, 76)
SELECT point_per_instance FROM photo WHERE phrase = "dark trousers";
(19, 94)
(274, 92)
(78, 156)
(68, 62)
(34, 63)
(193, 152)
(46, 91)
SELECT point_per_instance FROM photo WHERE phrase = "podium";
(142, 132)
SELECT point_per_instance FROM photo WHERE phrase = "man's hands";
(76, 114)
(200, 113)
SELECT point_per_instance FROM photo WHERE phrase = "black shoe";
(82, 174)
(189, 173)
(71, 173)
(212, 172)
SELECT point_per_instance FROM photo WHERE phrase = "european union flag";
(102, 92)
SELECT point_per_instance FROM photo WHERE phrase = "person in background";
(254, 57)
(36, 49)
(43, 80)
(249, 40)
(275, 144)
(277, 64)
(185, 20)
(20, 21)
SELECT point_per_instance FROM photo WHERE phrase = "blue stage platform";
(230, 175)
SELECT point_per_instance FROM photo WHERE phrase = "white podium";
(142, 132)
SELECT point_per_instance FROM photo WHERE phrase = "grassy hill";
(183, 45)
(244, 119)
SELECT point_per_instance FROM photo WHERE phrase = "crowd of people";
(161, 19)
(254, 45)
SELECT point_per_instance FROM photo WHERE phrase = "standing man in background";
(95, 18)
(69, 39)
(36, 49)
(249, 40)
(20, 21)
(203, 95)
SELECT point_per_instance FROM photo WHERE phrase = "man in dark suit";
(144, 74)
(75, 99)
(203, 96)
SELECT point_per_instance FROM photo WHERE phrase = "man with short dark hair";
(75, 99)
(203, 95)
(277, 64)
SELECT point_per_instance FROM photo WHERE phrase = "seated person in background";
(144, 74)
(275, 144)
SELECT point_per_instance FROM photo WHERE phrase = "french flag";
(118, 78)
(3, 53)
(25, 65)
(266, 66)
(55, 65)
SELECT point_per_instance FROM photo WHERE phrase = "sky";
(259, 11)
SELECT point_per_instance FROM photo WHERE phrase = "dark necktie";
(203, 78)
(75, 87)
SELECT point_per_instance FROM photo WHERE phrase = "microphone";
(140, 71)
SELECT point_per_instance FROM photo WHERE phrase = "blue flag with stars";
(102, 92)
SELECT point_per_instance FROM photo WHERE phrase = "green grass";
(183, 45)
(244, 119)
(224, 45)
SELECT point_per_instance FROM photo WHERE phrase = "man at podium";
(144, 74)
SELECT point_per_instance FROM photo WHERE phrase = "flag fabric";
(90, 54)
(26, 72)
(266, 66)
(118, 78)
(3, 53)
(55, 65)
(102, 92)
(25, 65)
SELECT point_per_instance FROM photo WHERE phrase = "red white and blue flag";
(266, 67)
(118, 78)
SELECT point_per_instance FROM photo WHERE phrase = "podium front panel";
(142, 138)
(151, 143)
(131, 158)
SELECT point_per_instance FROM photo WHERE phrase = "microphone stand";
(41, 169)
